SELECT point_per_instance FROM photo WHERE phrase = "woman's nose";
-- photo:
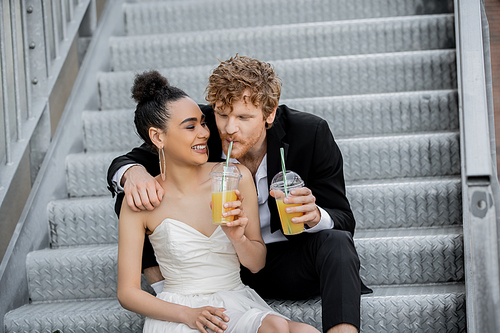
(204, 133)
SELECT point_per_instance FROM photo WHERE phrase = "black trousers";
(310, 264)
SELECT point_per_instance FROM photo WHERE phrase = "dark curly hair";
(153, 95)
(232, 77)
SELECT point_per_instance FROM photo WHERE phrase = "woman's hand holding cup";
(235, 230)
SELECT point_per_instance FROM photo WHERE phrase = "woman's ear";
(155, 134)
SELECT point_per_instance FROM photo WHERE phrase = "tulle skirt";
(244, 307)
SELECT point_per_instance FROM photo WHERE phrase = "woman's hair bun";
(147, 85)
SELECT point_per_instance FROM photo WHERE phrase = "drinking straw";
(282, 152)
(227, 165)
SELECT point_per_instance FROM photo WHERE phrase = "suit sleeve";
(327, 179)
(140, 155)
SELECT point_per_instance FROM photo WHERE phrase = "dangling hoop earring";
(161, 156)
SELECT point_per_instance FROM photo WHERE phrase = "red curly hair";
(233, 77)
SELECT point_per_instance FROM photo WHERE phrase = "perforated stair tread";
(268, 43)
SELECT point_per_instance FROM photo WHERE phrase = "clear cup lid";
(292, 179)
(219, 169)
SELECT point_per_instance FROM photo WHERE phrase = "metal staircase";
(382, 73)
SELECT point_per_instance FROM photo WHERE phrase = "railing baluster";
(55, 29)
(48, 58)
(5, 93)
(17, 92)
(63, 18)
(71, 5)
(27, 72)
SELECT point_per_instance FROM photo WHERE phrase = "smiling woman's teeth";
(199, 147)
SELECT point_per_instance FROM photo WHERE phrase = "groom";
(243, 95)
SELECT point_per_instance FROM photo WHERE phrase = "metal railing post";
(17, 91)
(26, 48)
(39, 53)
(5, 94)
(480, 213)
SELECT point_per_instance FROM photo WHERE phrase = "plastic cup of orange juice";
(293, 181)
(225, 180)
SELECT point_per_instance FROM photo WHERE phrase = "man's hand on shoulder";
(303, 196)
(142, 191)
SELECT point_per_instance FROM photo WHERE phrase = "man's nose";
(231, 126)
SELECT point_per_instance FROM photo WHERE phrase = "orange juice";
(289, 228)
(218, 200)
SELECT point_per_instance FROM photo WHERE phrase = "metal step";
(410, 256)
(385, 157)
(83, 221)
(347, 116)
(406, 112)
(85, 272)
(267, 43)
(406, 203)
(397, 156)
(168, 17)
(389, 309)
(411, 203)
(73, 317)
(434, 308)
(315, 77)
(387, 257)
(109, 131)
(86, 173)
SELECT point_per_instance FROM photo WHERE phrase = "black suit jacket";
(310, 151)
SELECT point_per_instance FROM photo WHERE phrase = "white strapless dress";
(203, 271)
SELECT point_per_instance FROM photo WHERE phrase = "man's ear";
(156, 137)
(270, 118)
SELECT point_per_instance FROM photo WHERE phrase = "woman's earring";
(161, 155)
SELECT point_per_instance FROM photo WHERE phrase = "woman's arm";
(244, 232)
(132, 229)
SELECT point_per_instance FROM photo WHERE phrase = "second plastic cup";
(224, 183)
(293, 181)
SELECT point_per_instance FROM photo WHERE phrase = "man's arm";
(136, 197)
(326, 179)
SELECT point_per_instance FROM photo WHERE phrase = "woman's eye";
(204, 123)
(190, 127)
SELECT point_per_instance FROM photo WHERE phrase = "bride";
(199, 260)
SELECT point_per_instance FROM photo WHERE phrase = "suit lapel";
(275, 137)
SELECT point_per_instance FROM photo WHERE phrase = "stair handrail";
(35, 42)
(29, 68)
(480, 188)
